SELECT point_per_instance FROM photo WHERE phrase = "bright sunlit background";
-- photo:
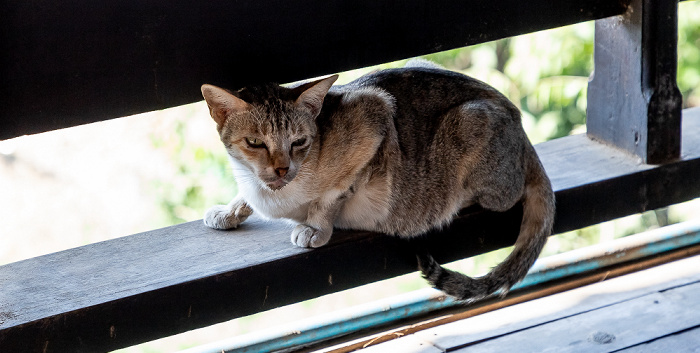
(91, 183)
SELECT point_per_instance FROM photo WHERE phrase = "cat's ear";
(222, 103)
(314, 93)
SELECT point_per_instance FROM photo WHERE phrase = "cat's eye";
(254, 142)
(299, 142)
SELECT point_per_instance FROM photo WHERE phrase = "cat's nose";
(281, 172)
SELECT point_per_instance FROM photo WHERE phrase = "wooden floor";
(655, 310)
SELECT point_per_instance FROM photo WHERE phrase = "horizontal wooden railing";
(74, 62)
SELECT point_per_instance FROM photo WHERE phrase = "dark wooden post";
(633, 100)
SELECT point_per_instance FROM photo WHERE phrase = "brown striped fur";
(397, 151)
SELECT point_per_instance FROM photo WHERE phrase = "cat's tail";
(536, 226)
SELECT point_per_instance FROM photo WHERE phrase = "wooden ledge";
(133, 289)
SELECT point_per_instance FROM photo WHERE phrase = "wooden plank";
(609, 328)
(633, 100)
(129, 290)
(683, 342)
(562, 305)
(67, 63)
(582, 171)
(409, 344)
(124, 291)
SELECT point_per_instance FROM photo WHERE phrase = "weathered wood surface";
(646, 311)
(595, 183)
(145, 286)
(66, 63)
(609, 328)
(681, 342)
(410, 344)
(633, 100)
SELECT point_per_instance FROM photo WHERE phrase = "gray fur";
(398, 151)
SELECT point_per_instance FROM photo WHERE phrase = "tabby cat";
(398, 151)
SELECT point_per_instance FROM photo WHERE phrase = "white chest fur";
(366, 209)
(291, 201)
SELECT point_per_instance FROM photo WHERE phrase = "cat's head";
(268, 129)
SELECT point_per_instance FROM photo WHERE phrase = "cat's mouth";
(277, 184)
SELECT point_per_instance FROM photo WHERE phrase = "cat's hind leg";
(227, 216)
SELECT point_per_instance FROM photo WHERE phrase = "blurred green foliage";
(202, 178)
(544, 73)
(689, 52)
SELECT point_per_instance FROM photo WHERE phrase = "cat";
(397, 151)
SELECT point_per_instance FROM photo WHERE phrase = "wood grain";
(409, 344)
(608, 328)
(633, 100)
(687, 341)
(556, 307)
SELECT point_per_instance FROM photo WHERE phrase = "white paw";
(223, 217)
(308, 237)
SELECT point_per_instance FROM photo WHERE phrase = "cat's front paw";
(308, 237)
(224, 217)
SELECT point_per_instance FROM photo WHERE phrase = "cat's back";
(429, 88)
(449, 127)
(424, 96)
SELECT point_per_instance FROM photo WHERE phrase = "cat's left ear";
(222, 103)
(312, 97)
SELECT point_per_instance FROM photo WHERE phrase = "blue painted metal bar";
(381, 312)
(598, 256)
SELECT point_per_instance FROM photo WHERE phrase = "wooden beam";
(137, 288)
(633, 100)
(66, 63)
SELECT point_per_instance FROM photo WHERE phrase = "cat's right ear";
(314, 93)
(222, 103)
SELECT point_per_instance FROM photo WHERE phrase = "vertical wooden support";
(633, 100)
